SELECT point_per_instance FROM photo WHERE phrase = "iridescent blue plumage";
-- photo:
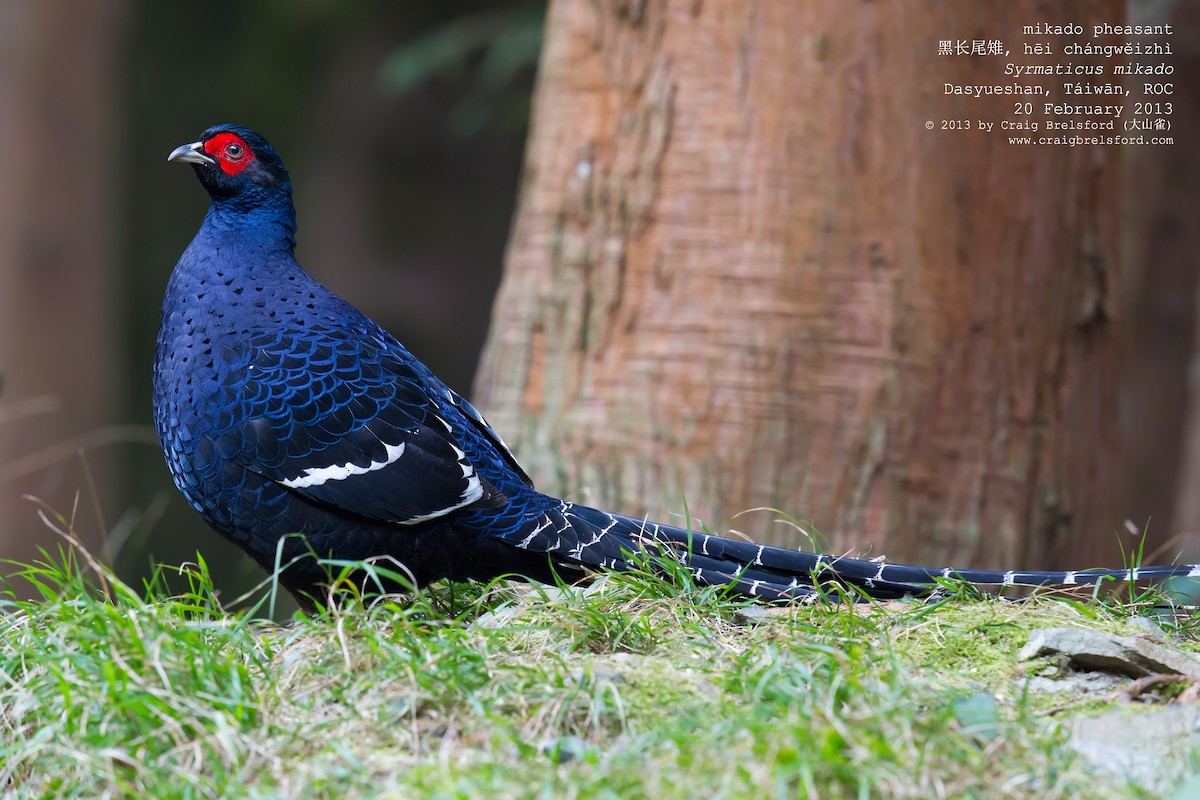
(302, 431)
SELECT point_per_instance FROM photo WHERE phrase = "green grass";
(628, 688)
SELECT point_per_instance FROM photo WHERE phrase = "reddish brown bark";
(1162, 392)
(744, 274)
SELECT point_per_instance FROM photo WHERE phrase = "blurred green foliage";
(487, 51)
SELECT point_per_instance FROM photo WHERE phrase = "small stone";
(1136, 656)
(564, 749)
(751, 615)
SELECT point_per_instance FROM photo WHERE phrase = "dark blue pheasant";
(305, 433)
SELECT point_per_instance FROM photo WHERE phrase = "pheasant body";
(305, 433)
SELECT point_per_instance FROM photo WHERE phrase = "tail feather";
(597, 539)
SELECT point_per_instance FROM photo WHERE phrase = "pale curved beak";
(191, 154)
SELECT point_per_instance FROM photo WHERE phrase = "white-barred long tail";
(586, 536)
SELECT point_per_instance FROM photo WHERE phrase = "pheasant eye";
(230, 151)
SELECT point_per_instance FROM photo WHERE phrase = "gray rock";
(1148, 627)
(1089, 684)
(1151, 748)
(1136, 656)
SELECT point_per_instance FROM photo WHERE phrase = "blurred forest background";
(404, 126)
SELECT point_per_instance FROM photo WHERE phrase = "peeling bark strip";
(743, 274)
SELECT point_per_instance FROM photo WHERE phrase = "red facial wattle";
(231, 152)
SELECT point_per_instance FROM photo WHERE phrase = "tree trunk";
(58, 286)
(1164, 387)
(744, 274)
